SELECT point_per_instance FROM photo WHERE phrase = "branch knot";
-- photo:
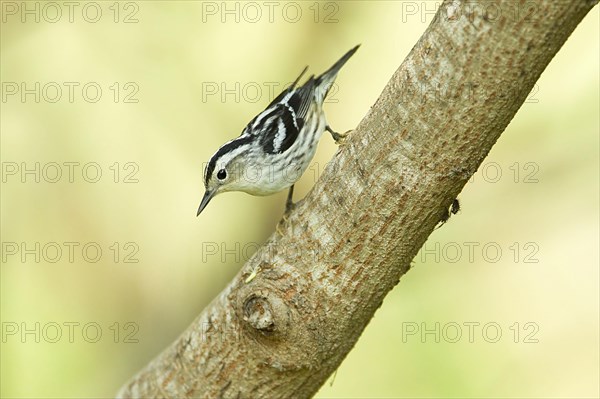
(258, 314)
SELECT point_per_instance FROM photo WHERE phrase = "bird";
(277, 145)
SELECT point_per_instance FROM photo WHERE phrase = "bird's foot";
(289, 207)
(339, 138)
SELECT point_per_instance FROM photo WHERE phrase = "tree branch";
(347, 244)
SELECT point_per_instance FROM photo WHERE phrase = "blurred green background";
(157, 86)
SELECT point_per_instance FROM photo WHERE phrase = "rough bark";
(346, 245)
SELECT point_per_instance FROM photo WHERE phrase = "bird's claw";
(280, 225)
(339, 138)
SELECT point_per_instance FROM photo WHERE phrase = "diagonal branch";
(347, 244)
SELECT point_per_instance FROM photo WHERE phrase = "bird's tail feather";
(298, 78)
(326, 79)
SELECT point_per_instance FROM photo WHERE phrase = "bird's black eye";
(221, 174)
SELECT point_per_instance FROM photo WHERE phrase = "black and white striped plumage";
(276, 147)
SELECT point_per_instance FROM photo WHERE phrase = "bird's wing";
(288, 89)
(279, 128)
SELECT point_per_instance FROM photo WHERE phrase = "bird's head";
(225, 170)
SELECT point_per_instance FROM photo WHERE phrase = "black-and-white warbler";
(276, 147)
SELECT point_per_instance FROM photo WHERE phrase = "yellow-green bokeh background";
(171, 54)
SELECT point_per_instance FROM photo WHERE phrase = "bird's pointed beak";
(208, 195)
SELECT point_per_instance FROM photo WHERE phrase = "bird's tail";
(324, 81)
